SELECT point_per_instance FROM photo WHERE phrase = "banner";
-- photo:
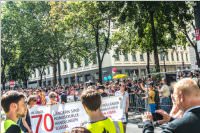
(61, 118)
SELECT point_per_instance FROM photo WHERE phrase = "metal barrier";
(138, 105)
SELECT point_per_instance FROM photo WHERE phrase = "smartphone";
(157, 116)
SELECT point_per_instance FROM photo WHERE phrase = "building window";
(134, 57)
(66, 80)
(35, 74)
(182, 57)
(116, 56)
(143, 72)
(172, 56)
(125, 57)
(166, 56)
(162, 57)
(86, 62)
(65, 65)
(141, 57)
(186, 56)
(94, 59)
(49, 82)
(72, 65)
(177, 56)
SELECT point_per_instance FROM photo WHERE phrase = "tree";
(93, 23)
(8, 45)
(183, 16)
(28, 37)
(63, 38)
(154, 16)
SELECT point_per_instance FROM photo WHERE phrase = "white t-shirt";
(123, 103)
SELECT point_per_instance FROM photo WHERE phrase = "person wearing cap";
(14, 106)
(100, 89)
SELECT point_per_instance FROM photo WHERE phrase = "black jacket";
(189, 123)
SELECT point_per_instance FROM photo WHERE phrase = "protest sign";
(61, 118)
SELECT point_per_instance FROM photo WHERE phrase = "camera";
(157, 116)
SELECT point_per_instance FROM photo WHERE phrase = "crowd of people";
(141, 95)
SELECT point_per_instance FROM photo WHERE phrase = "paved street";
(132, 126)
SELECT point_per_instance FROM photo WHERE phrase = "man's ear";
(86, 109)
(182, 97)
(13, 106)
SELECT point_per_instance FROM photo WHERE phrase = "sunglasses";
(52, 96)
(34, 100)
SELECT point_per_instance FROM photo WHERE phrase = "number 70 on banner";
(39, 117)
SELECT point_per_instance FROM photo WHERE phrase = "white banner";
(61, 118)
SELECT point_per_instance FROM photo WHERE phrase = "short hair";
(31, 98)
(91, 99)
(165, 90)
(10, 97)
(52, 93)
(80, 130)
(187, 86)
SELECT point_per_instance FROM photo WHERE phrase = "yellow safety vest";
(6, 124)
(106, 126)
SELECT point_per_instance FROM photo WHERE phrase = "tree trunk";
(164, 64)
(98, 52)
(148, 63)
(59, 73)
(40, 81)
(197, 23)
(25, 83)
(197, 56)
(100, 73)
(25, 79)
(3, 78)
(54, 74)
(156, 59)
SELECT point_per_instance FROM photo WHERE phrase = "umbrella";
(120, 76)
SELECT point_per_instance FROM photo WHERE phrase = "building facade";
(132, 64)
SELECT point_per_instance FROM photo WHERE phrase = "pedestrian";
(165, 100)
(14, 106)
(125, 101)
(186, 95)
(91, 101)
(25, 122)
(53, 98)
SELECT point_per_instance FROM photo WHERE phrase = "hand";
(175, 109)
(147, 116)
(166, 116)
(30, 131)
(126, 111)
(144, 98)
